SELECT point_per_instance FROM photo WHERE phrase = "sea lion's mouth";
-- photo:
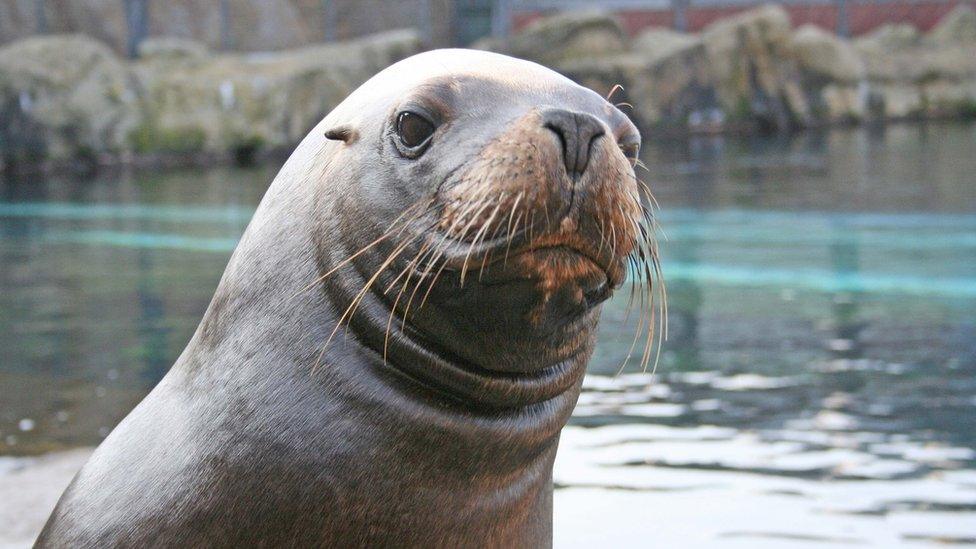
(556, 266)
(569, 254)
(553, 259)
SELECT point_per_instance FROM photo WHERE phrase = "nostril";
(561, 134)
(576, 132)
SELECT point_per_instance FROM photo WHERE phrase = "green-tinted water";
(839, 267)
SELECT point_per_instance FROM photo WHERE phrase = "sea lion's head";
(487, 207)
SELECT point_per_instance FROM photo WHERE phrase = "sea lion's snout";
(576, 132)
(540, 225)
(553, 178)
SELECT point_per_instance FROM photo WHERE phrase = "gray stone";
(931, 78)
(68, 97)
(254, 101)
(832, 75)
(660, 43)
(956, 28)
(170, 48)
(887, 38)
(253, 25)
(564, 37)
(64, 97)
(823, 54)
(751, 58)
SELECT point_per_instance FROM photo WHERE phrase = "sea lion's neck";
(358, 413)
(472, 468)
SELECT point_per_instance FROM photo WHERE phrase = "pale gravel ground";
(29, 488)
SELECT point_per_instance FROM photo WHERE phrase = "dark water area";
(822, 303)
(841, 266)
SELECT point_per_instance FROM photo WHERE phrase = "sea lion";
(400, 334)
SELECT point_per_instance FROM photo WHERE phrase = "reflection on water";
(821, 356)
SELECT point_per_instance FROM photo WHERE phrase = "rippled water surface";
(817, 386)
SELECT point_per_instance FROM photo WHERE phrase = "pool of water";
(821, 353)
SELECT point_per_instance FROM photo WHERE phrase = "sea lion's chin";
(560, 284)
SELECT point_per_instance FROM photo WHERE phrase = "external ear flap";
(341, 133)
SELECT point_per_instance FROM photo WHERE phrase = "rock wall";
(68, 98)
(253, 25)
(64, 97)
(71, 98)
(914, 75)
(755, 70)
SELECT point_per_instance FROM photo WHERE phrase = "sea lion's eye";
(413, 129)
(631, 150)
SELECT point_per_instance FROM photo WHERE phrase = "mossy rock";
(79, 97)
(151, 139)
(245, 148)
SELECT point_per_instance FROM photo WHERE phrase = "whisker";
(354, 304)
(416, 287)
(410, 268)
(511, 236)
(444, 244)
(389, 232)
(464, 266)
(483, 232)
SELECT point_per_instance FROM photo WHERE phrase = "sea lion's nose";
(576, 132)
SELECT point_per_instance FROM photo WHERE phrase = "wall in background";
(242, 25)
